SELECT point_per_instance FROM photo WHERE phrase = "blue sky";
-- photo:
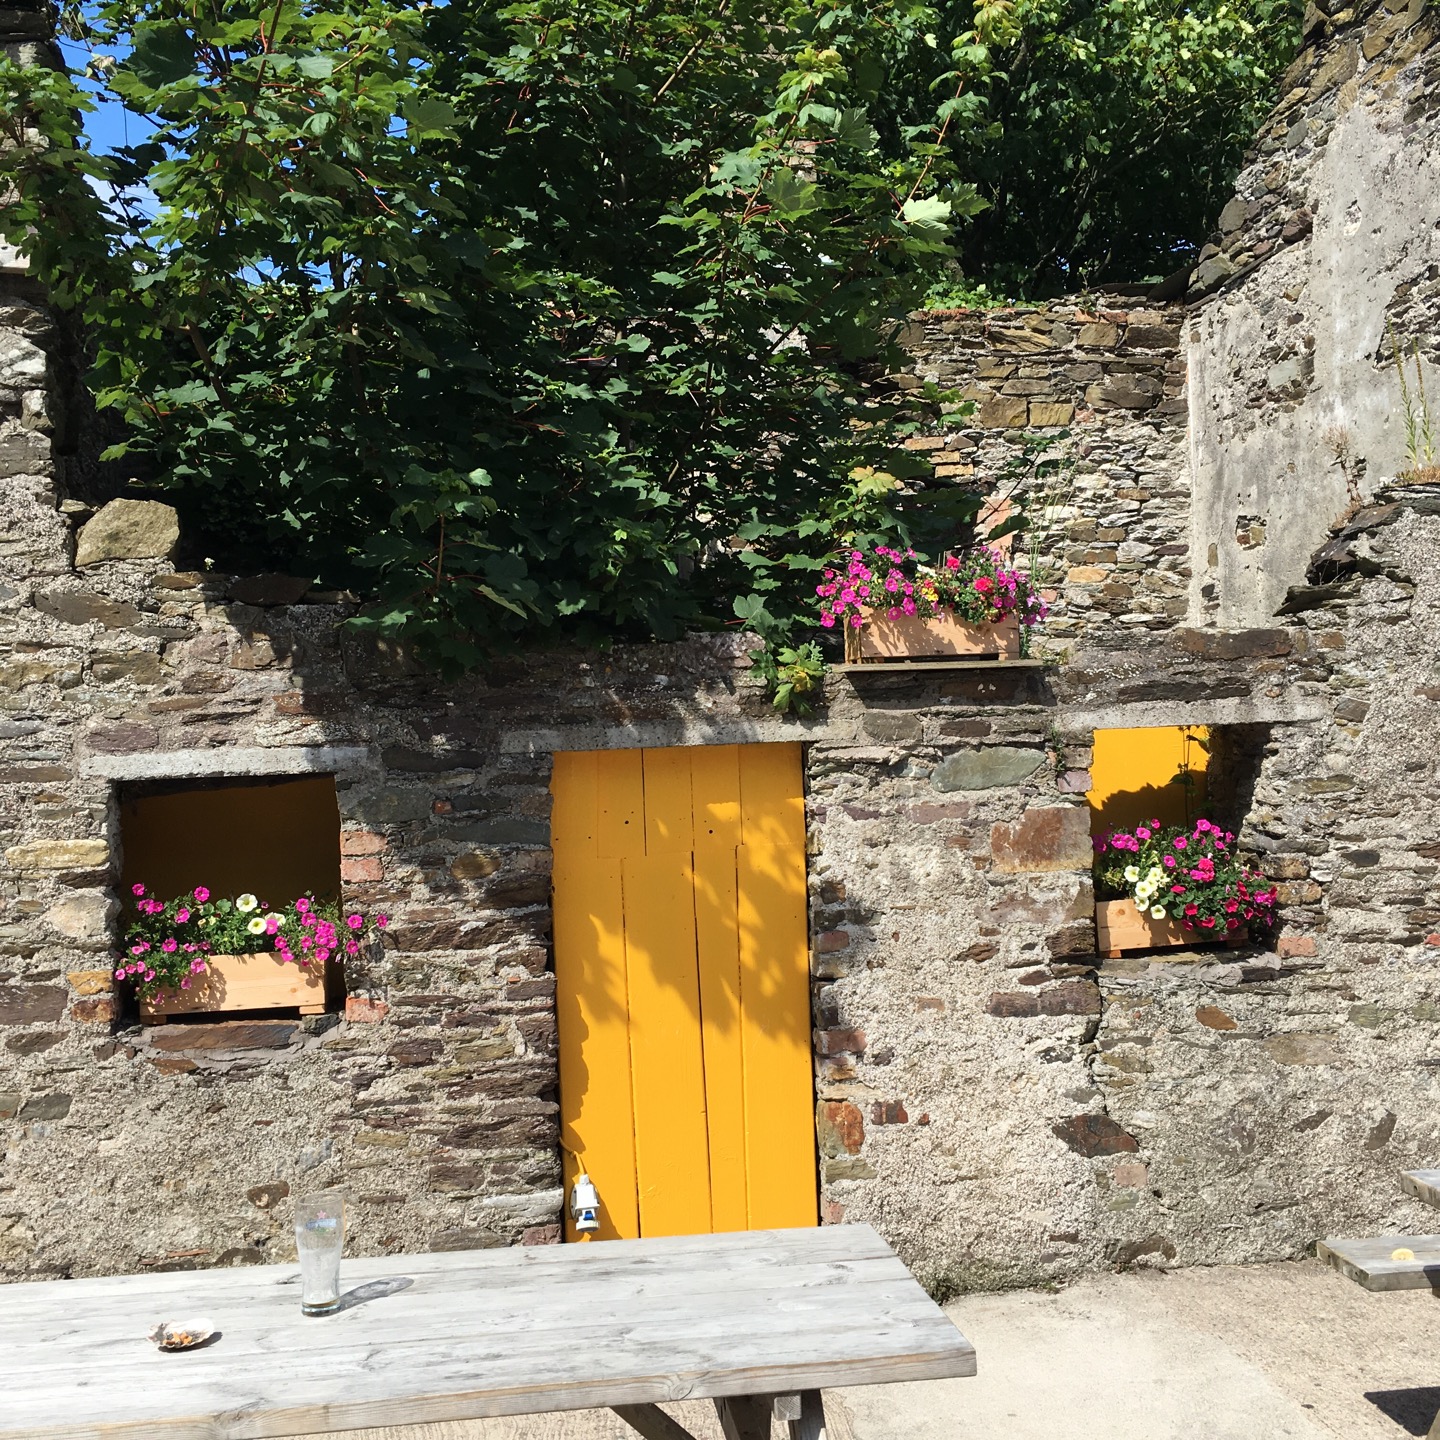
(108, 125)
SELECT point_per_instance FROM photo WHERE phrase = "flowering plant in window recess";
(167, 942)
(1189, 874)
(977, 587)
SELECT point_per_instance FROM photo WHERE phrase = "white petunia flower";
(256, 926)
(1157, 912)
(1155, 875)
(246, 903)
(1132, 873)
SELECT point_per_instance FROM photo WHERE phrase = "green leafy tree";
(526, 319)
(1105, 134)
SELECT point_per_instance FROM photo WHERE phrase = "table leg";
(803, 1413)
(744, 1417)
(652, 1422)
(811, 1423)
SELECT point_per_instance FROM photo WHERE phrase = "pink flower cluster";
(978, 587)
(1206, 886)
(844, 594)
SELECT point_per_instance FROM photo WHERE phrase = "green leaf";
(927, 213)
(790, 196)
(163, 53)
(854, 128)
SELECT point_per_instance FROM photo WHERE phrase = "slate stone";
(1092, 1135)
(416, 1052)
(79, 607)
(1050, 837)
(24, 452)
(1299, 1048)
(45, 1107)
(59, 855)
(466, 1240)
(32, 1004)
(432, 762)
(841, 1127)
(893, 727)
(128, 530)
(32, 1042)
(224, 1035)
(986, 769)
(268, 589)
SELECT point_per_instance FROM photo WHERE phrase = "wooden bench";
(1373, 1263)
(760, 1322)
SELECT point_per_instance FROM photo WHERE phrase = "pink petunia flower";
(201, 894)
(170, 946)
(354, 921)
(137, 889)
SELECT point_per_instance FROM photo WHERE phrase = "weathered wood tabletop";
(761, 1320)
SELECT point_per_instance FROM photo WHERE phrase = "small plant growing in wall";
(1415, 405)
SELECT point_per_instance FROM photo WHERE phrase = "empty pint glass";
(320, 1238)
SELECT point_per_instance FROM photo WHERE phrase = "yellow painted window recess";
(683, 990)
(1158, 773)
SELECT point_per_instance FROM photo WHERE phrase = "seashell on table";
(182, 1334)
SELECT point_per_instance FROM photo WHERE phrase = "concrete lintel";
(237, 760)
(664, 733)
(1290, 711)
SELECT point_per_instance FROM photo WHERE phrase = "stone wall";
(1006, 1107)
(1334, 234)
(1101, 383)
(957, 994)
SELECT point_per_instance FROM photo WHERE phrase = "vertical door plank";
(596, 1116)
(668, 804)
(715, 786)
(620, 780)
(772, 799)
(718, 945)
(672, 1159)
(574, 801)
(775, 1035)
(716, 789)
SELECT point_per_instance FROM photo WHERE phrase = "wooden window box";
(909, 637)
(1121, 925)
(242, 982)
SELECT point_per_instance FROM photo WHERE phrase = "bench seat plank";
(1422, 1184)
(465, 1335)
(1369, 1262)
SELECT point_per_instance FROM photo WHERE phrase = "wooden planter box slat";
(242, 982)
(1120, 925)
(910, 637)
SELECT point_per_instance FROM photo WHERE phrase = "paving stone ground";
(1264, 1352)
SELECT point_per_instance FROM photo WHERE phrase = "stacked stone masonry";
(1006, 1107)
(1100, 385)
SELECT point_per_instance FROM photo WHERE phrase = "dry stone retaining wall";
(1100, 382)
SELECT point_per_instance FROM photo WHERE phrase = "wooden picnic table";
(1394, 1262)
(1371, 1262)
(760, 1322)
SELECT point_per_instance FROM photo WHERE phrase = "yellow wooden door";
(682, 987)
